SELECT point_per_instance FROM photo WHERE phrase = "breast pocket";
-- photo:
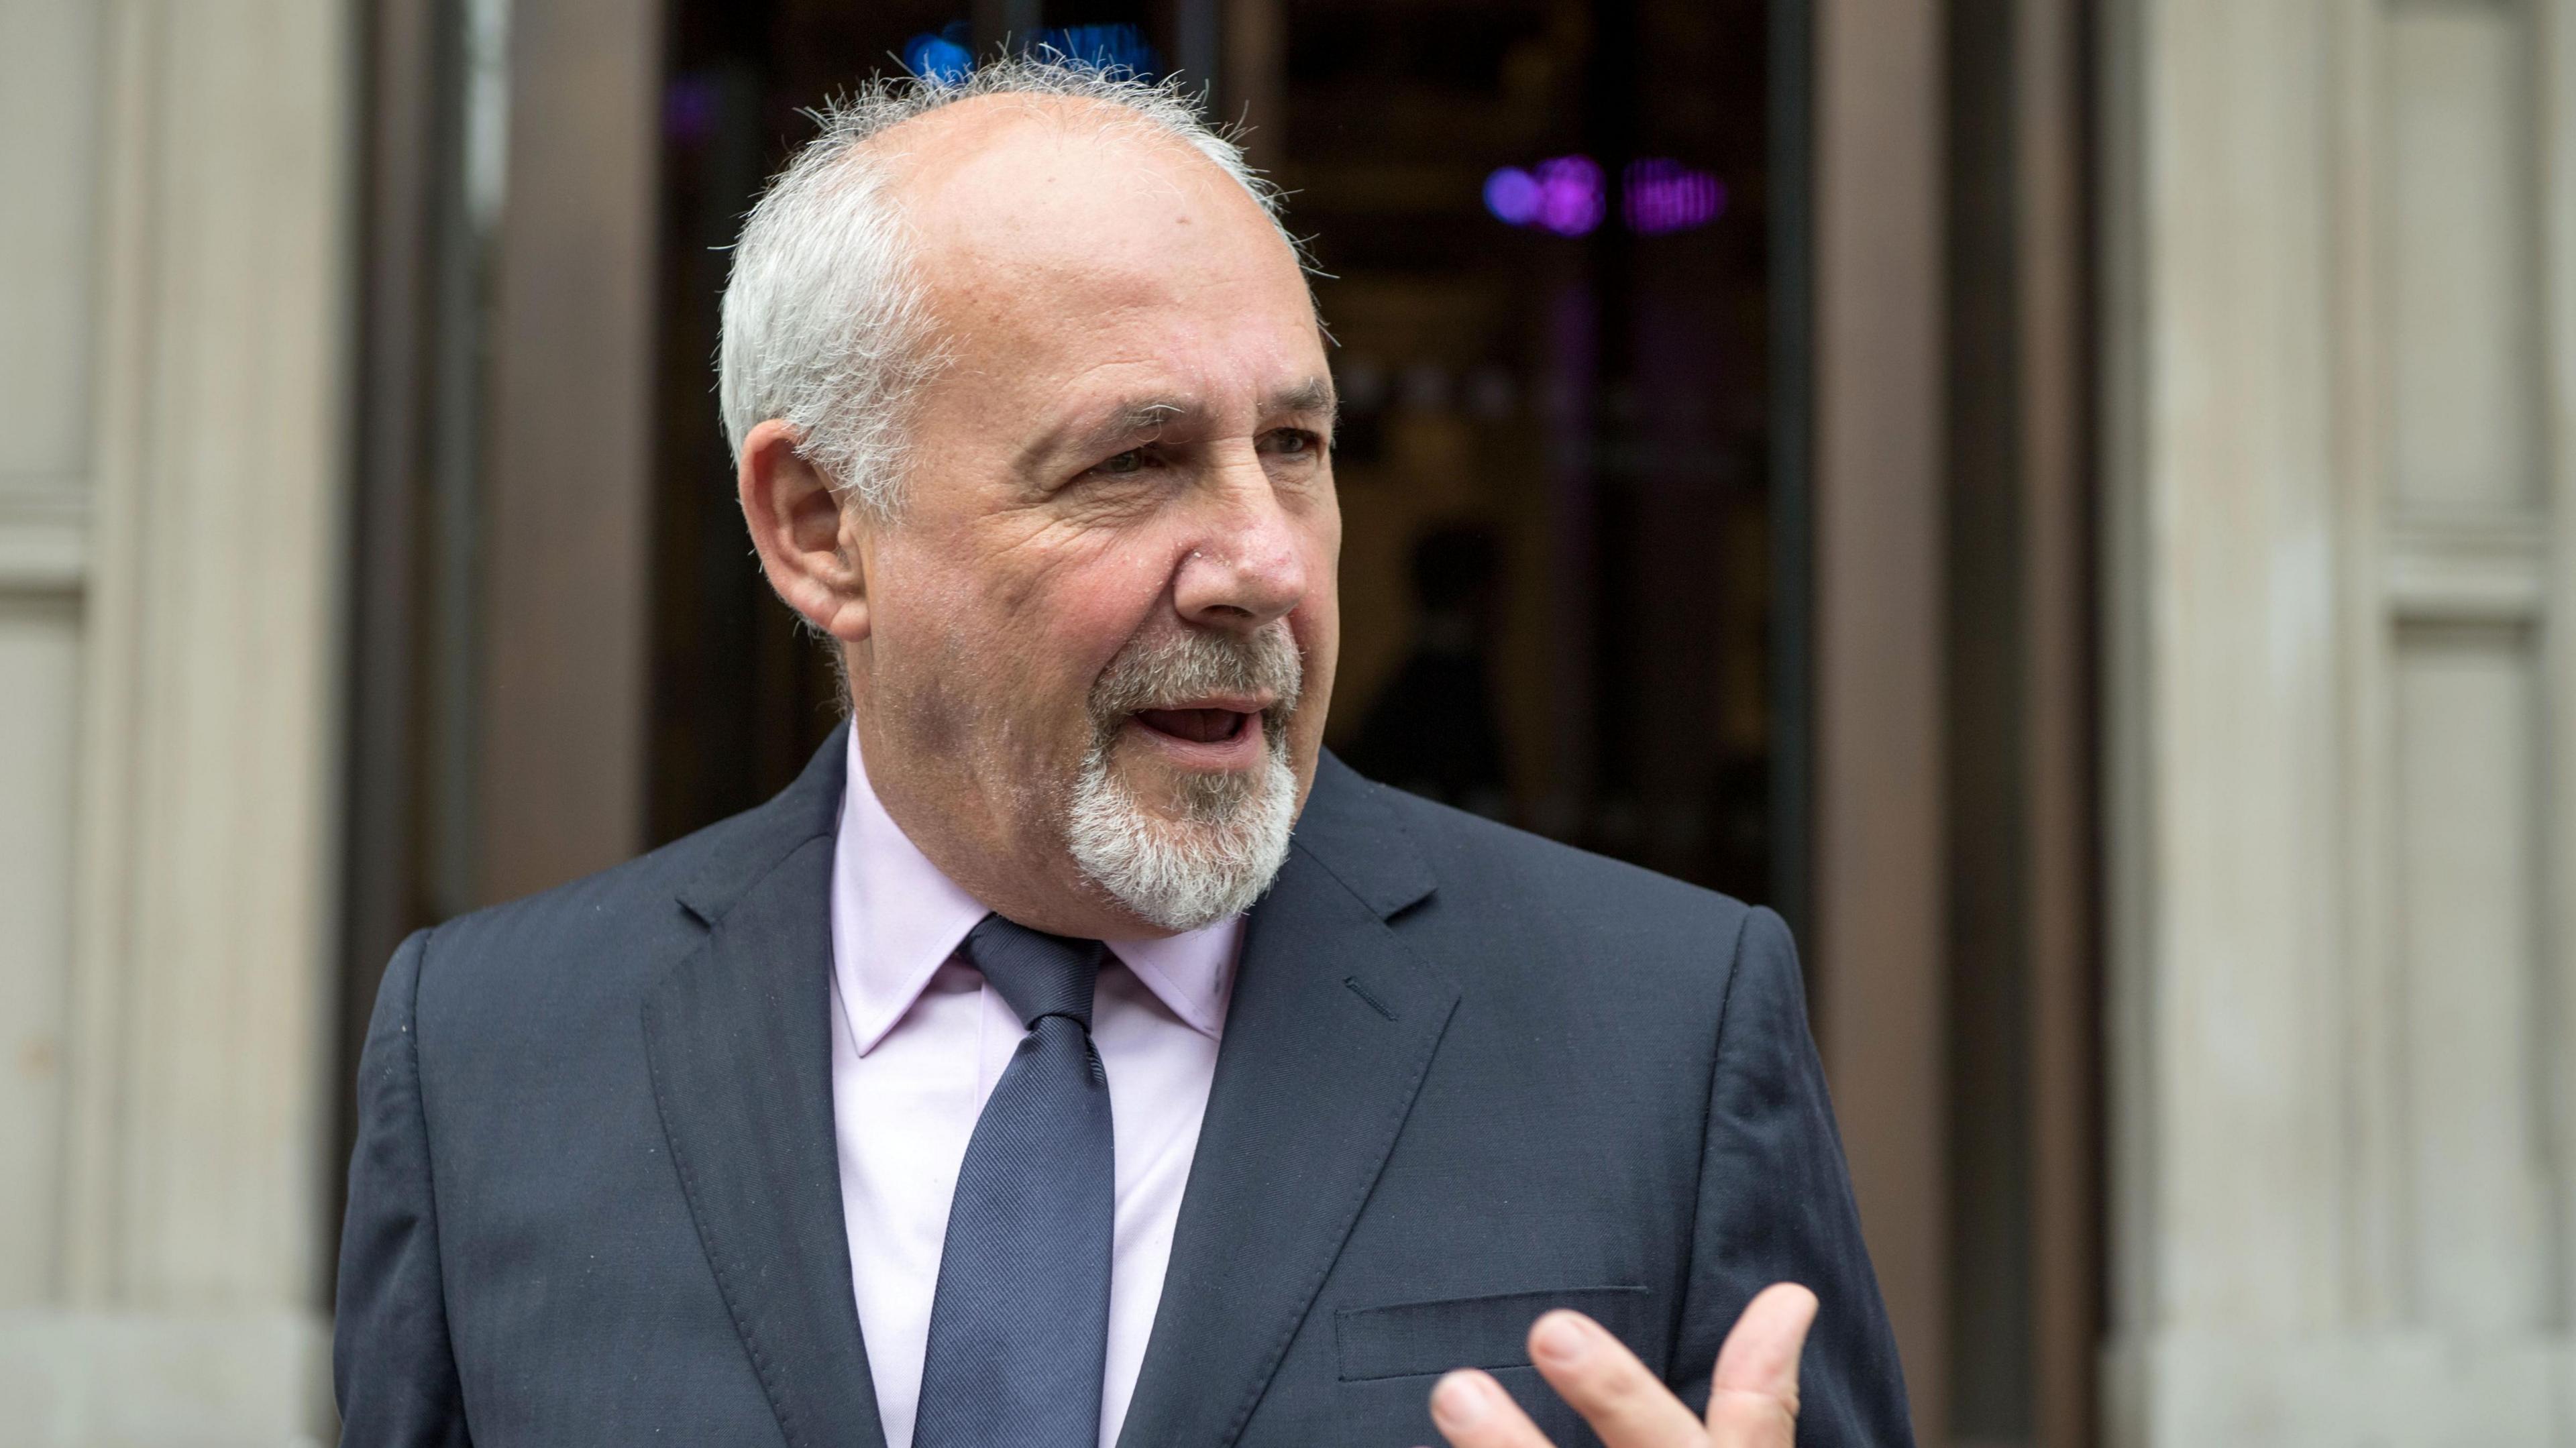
(1413, 1339)
(1389, 1357)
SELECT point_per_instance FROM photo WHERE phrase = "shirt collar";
(897, 918)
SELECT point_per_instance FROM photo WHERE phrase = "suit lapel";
(1332, 1027)
(738, 1036)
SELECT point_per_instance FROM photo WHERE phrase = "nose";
(1249, 566)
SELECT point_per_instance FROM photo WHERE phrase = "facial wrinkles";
(1062, 331)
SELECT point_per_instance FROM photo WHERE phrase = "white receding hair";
(825, 324)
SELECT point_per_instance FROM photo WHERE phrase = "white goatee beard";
(1231, 837)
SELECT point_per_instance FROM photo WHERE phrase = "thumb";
(1754, 1401)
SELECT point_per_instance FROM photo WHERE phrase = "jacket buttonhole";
(1362, 992)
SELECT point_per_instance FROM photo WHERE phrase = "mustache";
(1164, 669)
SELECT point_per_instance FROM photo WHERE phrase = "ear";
(799, 529)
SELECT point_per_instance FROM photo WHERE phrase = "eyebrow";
(1137, 417)
(1130, 419)
(1315, 394)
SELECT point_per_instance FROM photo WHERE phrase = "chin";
(1176, 843)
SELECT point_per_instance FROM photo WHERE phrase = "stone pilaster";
(2341, 719)
(164, 1268)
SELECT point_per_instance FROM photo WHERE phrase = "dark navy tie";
(1019, 1330)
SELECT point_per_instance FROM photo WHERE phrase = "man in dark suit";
(1076, 1052)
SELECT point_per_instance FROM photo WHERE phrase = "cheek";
(939, 648)
(1328, 519)
(920, 615)
(1318, 631)
(1317, 624)
(1097, 597)
(1318, 619)
(1033, 617)
(913, 674)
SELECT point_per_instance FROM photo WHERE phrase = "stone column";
(1880, 928)
(172, 465)
(2341, 355)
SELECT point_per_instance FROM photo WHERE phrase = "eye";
(1130, 461)
(1291, 442)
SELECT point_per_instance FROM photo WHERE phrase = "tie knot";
(1039, 974)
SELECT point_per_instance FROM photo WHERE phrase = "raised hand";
(1753, 1402)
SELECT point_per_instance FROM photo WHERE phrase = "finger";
(1624, 1402)
(1753, 1402)
(1471, 1410)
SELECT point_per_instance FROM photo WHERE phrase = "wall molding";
(44, 538)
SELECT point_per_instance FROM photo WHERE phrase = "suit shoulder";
(1550, 936)
(609, 922)
(1491, 864)
(655, 876)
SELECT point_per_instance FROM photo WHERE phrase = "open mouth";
(1199, 726)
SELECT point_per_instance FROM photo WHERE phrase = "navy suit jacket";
(1467, 1075)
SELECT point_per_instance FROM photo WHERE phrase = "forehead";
(1042, 220)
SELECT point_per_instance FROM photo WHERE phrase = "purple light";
(1662, 195)
(1512, 194)
(1571, 196)
(1568, 195)
(1564, 195)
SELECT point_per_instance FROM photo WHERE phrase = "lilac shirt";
(918, 1043)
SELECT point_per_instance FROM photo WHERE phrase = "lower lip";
(1242, 751)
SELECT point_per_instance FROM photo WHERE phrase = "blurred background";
(2068, 500)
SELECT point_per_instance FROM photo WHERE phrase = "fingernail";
(1461, 1398)
(1561, 1339)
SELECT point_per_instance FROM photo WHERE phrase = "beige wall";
(2341, 343)
(172, 254)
